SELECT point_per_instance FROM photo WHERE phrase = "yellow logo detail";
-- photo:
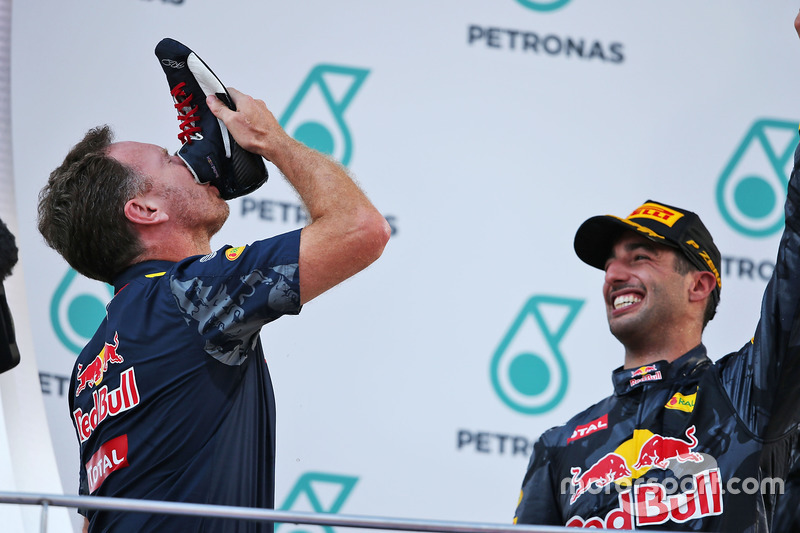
(704, 255)
(629, 450)
(155, 275)
(657, 212)
(682, 403)
(640, 228)
(232, 254)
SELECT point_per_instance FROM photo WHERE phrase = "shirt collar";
(627, 379)
(145, 269)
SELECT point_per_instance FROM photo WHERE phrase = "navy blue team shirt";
(172, 399)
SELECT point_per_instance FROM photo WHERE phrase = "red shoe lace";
(186, 114)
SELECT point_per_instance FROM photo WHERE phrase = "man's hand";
(252, 125)
(346, 232)
(797, 24)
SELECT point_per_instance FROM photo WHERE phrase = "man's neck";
(165, 245)
(644, 356)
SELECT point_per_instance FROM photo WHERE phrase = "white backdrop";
(486, 132)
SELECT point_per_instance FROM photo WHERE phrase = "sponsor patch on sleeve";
(112, 456)
(232, 254)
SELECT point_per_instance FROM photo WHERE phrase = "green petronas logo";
(752, 188)
(318, 492)
(528, 371)
(315, 115)
(552, 5)
(77, 308)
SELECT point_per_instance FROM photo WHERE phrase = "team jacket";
(172, 399)
(688, 446)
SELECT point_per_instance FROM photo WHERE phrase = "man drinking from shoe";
(171, 399)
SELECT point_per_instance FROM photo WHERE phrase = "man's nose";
(616, 272)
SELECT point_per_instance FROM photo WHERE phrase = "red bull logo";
(92, 375)
(649, 505)
(643, 370)
(107, 403)
(633, 458)
(609, 468)
(647, 377)
(658, 451)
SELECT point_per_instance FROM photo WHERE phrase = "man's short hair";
(81, 209)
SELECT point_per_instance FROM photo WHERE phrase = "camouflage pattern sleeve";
(538, 503)
(762, 378)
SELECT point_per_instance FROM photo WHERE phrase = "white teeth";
(625, 300)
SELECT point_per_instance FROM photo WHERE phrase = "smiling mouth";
(626, 300)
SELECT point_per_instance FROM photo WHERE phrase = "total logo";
(315, 116)
(752, 187)
(542, 5)
(528, 371)
(318, 492)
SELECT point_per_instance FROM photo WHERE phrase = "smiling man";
(684, 443)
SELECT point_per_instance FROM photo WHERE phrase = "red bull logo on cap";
(657, 212)
(92, 375)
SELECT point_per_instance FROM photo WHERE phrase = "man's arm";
(346, 233)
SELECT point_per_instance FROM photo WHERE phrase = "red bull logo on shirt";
(643, 370)
(606, 470)
(658, 451)
(648, 503)
(92, 375)
(107, 403)
(633, 458)
(645, 373)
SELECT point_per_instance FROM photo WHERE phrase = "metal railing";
(263, 515)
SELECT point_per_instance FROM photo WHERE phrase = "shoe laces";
(187, 114)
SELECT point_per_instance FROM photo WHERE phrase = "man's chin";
(217, 224)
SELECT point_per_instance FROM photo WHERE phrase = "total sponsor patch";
(110, 457)
(585, 430)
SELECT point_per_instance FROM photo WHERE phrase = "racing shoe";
(208, 148)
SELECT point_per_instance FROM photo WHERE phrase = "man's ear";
(146, 211)
(703, 284)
